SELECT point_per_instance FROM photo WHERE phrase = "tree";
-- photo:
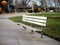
(44, 5)
(56, 5)
(21, 3)
(10, 1)
(4, 5)
(24, 2)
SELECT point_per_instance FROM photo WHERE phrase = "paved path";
(12, 34)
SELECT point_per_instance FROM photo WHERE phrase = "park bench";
(38, 20)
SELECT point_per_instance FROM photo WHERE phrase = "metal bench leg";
(41, 34)
(32, 31)
(24, 27)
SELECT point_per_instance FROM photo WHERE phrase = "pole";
(41, 32)
(32, 6)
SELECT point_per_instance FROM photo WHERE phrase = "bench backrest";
(39, 20)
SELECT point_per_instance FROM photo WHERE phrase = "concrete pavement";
(13, 34)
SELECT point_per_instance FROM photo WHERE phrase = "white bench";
(38, 20)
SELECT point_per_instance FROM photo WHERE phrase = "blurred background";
(9, 6)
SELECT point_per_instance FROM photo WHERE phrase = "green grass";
(17, 19)
(47, 14)
(53, 27)
(53, 24)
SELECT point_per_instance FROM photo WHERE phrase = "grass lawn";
(47, 14)
(17, 19)
(53, 24)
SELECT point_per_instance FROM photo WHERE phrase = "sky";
(51, 3)
(37, 1)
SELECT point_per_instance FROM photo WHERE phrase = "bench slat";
(41, 24)
(35, 20)
(37, 17)
(39, 20)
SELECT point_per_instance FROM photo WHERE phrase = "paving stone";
(13, 34)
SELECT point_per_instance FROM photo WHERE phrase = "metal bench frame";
(38, 20)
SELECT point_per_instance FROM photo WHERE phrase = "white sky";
(38, 2)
